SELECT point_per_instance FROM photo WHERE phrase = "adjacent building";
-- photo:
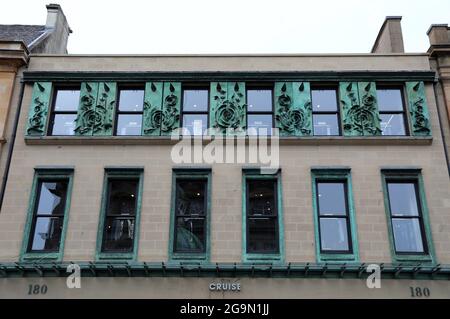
(99, 183)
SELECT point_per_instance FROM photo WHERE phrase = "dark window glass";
(129, 124)
(333, 217)
(392, 113)
(259, 124)
(259, 100)
(190, 216)
(48, 218)
(130, 111)
(195, 100)
(325, 124)
(262, 217)
(120, 215)
(64, 111)
(325, 112)
(195, 111)
(406, 217)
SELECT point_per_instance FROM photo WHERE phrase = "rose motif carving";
(421, 123)
(153, 120)
(36, 123)
(362, 117)
(228, 115)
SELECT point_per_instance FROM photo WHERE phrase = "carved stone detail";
(152, 108)
(105, 109)
(170, 115)
(87, 118)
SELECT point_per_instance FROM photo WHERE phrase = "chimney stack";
(390, 37)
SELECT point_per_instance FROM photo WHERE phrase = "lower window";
(407, 216)
(262, 217)
(120, 214)
(45, 228)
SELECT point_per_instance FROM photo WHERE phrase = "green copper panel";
(152, 108)
(86, 117)
(350, 109)
(228, 106)
(368, 113)
(293, 112)
(40, 101)
(105, 109)
(170, 116)
(418, 109)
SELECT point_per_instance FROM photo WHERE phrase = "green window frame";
(275, 258)
(335, 174)
(409, 175)
(184, 174)
(43, 174)
(119, 173)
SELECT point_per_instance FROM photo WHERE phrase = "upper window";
(259, 111)
(129, 111)
(392, 111)
(325, 111)
(195, 110)
(64, 111)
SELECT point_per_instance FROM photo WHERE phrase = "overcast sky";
(232, 26)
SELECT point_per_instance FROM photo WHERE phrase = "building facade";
(99, 184)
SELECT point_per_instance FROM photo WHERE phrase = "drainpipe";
(441, 125)
(11, 144)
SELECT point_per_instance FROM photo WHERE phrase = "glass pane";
(262, 235)
(131, 100)
(47, 233)
(122, 197)
(332, 199)
(196, 124)
(119, 234)
(260, 124)
(259, 100)
(195, 100)
(190, 234)
(191, 197)
(390, 100)
(64, 124)
(333, 234)
(129, 124)
(403, 201)
(261, 198)
(52, 198)
(392, 124)
(324, 100)
(326, 124)
(67, 100)
(407, 235)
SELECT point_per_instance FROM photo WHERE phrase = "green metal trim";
(39, 109)
(409, 174)
(279, 258)
(119, 173)
(224, 270)
(385, 76)
(42, 173)
(418, 109)
(199, 258)
(335, 174)
(153, 101)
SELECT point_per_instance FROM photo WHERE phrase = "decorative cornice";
(201, 76)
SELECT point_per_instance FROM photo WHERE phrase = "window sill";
(38, 257)
(414, 259)
(115, 256)
(263, 258)
(167, 140)
(188, 257)
(338, 258)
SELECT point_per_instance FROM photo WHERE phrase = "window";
(195, 110)
(392, 111)
(334, 215)
(64, 111)
(407, 215)
(120, 213)
(46, 222)
(190, 215)
(262, 217)
(259, 111)
(325, 111)
(129, 111)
